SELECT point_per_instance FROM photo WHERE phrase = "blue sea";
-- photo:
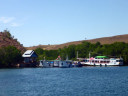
(84, 81)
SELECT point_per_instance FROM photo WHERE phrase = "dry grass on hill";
(6, 41)
(104, 40)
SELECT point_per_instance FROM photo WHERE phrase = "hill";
(104, 40)
(6, 39)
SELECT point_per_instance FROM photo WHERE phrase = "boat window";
(97, 61)
(108, 61)
(85, 60)
(119, 60)
(101, 61)
(104, 61)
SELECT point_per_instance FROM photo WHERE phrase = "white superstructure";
(102, 61)
(55, 63)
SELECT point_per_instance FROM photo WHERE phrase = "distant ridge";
(6, 40)
(104, 40)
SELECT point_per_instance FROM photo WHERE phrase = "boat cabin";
(30, 56)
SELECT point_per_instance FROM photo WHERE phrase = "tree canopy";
(117, 49)
(9, 56)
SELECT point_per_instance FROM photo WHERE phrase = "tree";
(9, 56)
(7, 33)
(39, 51)
(71, 51)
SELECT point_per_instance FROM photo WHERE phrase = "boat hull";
(102, 64)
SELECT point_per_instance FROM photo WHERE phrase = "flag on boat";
(59, 58)
(91, 58)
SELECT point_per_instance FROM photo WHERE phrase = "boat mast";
(77, 55)
(89, 54)
(67, 57)
(44, 58)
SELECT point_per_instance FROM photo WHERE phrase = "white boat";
(65, 64)
(55, 63)
(102, 61)
(62, 64)
(76, 64)
(46, 64)
(41, 63)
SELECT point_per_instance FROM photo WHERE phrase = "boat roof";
(101, 57)
(29, 53)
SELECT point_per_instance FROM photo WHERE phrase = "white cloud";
(6, 20)
(10, 21)
(15, 24)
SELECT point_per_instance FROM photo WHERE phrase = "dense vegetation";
(118, 49)
(46, 54)
(9, 56)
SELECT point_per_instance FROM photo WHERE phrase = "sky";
(43, 22)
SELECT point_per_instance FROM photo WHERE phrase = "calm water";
(87, 81)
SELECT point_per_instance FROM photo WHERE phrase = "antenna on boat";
(77, 54)
(67, 57)
(89, 54)
(120, 56)
(44, 58)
